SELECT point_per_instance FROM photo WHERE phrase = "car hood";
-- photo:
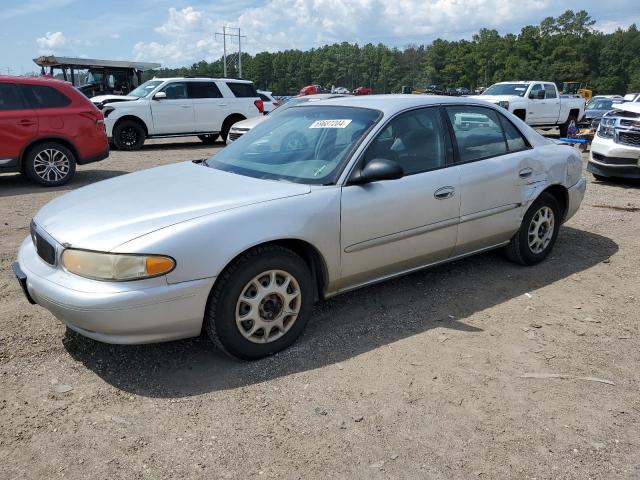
(109, 213)
(595, 113)
(497, 98)
(104, 99)
(249, 123)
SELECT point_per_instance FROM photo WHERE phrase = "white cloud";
(51, 41)
(188, 34)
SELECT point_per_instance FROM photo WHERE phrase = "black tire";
(600, 178)
(129, 135)
(220, 315)
(519, 250)
(226, 126)
(49, 164)
(564, 128)
(209, 139)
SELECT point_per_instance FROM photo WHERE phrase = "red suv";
(46, 128)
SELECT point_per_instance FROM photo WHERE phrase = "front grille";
(629, 123)
(234, 136)
(629, 138)
(613, 160)
(46, 251)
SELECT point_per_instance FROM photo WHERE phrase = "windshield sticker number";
(330, 123)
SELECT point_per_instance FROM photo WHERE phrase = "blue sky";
(181, 32)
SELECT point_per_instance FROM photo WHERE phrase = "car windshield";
(308, 144)
(517, 89)
(145, 89)
(600, 105)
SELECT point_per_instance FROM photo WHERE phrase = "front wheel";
(128, 135)
(260, 304)
(538, 232)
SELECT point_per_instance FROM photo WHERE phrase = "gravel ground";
(476, 369)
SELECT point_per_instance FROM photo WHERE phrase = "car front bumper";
(610, 159)
(143, 311)
(576, 194)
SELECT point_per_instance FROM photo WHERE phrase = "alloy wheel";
(51, 165)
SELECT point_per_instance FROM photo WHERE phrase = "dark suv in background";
(46, 128)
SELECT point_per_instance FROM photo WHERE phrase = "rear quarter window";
(10, 98)
(243, 89)
(42, 96)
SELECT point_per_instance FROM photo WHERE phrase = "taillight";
(95, 117)
(259, 105)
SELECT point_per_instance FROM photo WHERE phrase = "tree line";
(566, 48)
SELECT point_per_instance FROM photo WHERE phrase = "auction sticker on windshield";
(341, 123)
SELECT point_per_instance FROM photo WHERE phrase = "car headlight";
(504, 104)
(607, 126)
(107, 111)
(115, 266)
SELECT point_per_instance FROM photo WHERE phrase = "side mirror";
(160, 96)
(378, 169)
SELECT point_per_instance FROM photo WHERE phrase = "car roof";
(390, 104)
(196, 79)
(33, 80)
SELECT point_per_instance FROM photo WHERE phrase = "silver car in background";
(243, 244)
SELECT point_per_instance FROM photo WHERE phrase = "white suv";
(171, 107)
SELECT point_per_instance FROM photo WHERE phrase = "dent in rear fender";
(204, 246)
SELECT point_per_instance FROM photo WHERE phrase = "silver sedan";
(242, 244)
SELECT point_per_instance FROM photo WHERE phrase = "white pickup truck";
(173, 107)
(538, 103)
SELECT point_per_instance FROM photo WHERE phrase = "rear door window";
(478, 132)
(10, 98)
(42, 96)
(515, 141)
(243, 89)
(203, 90)
(550, 91)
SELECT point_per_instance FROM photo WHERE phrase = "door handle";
(26, 123)
(185, 106)
(525, 172)
(222, 104)
(444, 192)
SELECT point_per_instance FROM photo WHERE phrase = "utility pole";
(224, 35)
(224, 46)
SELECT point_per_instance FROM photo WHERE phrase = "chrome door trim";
(412, 270)
(394, 237)
(489, 212)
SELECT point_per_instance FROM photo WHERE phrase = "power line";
(224, 36)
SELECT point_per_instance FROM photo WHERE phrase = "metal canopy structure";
(52, 61)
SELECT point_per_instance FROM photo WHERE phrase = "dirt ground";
(476, 369)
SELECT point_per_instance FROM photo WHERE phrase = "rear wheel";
(538, 232)
(50, 164)
(128, 135)
(209, 138)
(260, 304)
(564, 128)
